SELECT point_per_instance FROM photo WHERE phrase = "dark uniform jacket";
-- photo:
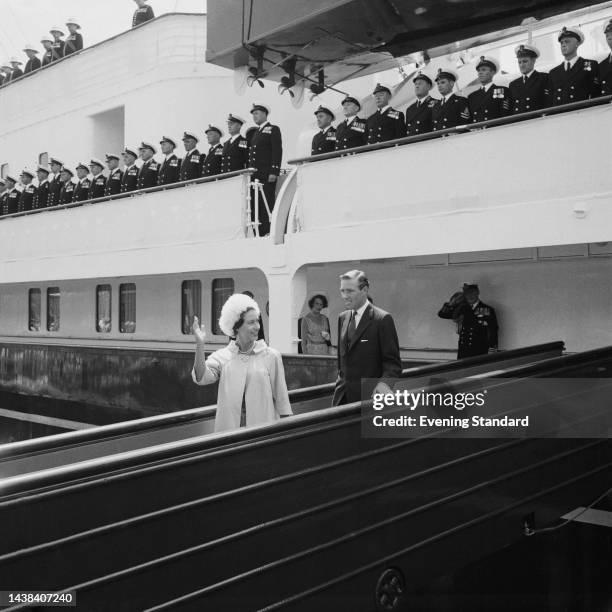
(113, 182)
(17, 72)
(477, 327)
(490, 104)
(353, 135)
(451, 113)
(169, 171)
(147, 177)
(67, 193)
(129, 181)
(530, 94)
(26, 198)
(31, 65)
(49, 57)
(58, 49)
(142, 15)
(235, 154)
(384, 126)
(97, 187)
(81, 190)
(372, 353)
(324, 141)
(54, 189)
(212, 162)
(580, 82)
(605, 75)
(11, 203)
(418, 116)
(191, 166)
(42, 195)
(266, 151)
(3, 203)
(73, 44)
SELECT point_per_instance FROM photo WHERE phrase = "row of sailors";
(55, 47)
(573, 80)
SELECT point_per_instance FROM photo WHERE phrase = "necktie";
(352, 329)
(482, 88)
(567, 66)
(524, 79)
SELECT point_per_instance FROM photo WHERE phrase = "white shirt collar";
(529, 74)
(487, 86)
(232, 138)
(168, 156)
(263, 125)
(475, 304)
(383, 109)
(359, 312)
(43, 182)
(447, 97)
(325, 130)
(571, 62)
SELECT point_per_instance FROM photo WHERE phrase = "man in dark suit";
(214, 157)
(386, 123)
(324, 141)
(530, 91)
(575, 78)
(170, 169)
(28, 193)
(489, 101)
(33, 62)
(191, 166)
(452, 110)
(418, 114)
(605, 66)
(129, 181)
(55, 184)
(368, 347)
(115, 176)
(81, 189)
(147, 177)
(265, 155)
(235, 148)
(98, 181)
(352, 131)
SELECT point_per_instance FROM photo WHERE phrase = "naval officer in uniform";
(191, 166)
(11, 201)
(418, 114)
(214, 157)
(28, 193)
(530, 91)
(605, 66)
(489, 101)
(66, 195)
(81, 189)
(265, 155)
(42, 191)
(2, 194)
(575, 78)
(98, 182)
(54, 182)
(324, 141)
(115, 176)
(235, 148)
(147, 176)
(386, 123)
(170, 169)
(452, 110)
(352, 131)
(74, 42)
(33, 62)
(58, 42)
(129, 182)
(142, 14)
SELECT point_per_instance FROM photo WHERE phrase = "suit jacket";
(129, 181)
(97, 187)
(113, 182)
(147, 177)
(388, 125)
(235, 154)
(324, 142)
(212, 161)
(67, 193)
(490, 104)
(451, 113)
(266, 152)
(531, 94)
(42, 196)
(374, 353)
(580, 82)
(31, 65)
(349, 136)
(73, 44)
(81, 190)
(191, 166)
(605, 74)
(27, 197)
(418, 117)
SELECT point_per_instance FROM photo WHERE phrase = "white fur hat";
(235, 305)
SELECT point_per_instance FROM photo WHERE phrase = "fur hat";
(235, 305)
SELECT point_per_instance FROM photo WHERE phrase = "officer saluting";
(235, 148)
(171, 166)
(489, 101)
(605, 66)
(452, 110)
(191, 167)
(98, 182)
(418, 114)
(28, 194)
(147, 177)
(212, 161)
(530, 91)
(115, 176)
(129, 182)
(352, 131)
(575, 78)
(81, 189)
(324, 141)
(386, 123)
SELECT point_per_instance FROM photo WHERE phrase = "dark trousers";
(264, 222)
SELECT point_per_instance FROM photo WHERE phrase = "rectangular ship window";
(43, 159)
(103, 308)
(222, 288)
(4, 170)
(34, 309)
(127, 308)
(191, 304)
(53, 309)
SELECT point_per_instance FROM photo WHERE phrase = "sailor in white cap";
(489, 101)
(115, 176)
(131, 171)
(16, 70)
(28, 193)
(54, 182)
(418, 114)
(170, 169)
(575, 78)
(74, 42)
(214, 157)
(81, 190)
(142, 14)
(324, 141)
(386, 123)
(49, 55)
(191, 167)
(265, 155)
(605, 66)
(530, 91)
(67, 191)
(42, 191)
(147, 177)
(453, 109)
(58, 43)
(33, 62)
(235, 148)
(11, 200)
(98, 181)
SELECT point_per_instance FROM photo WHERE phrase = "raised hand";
(198, 330)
